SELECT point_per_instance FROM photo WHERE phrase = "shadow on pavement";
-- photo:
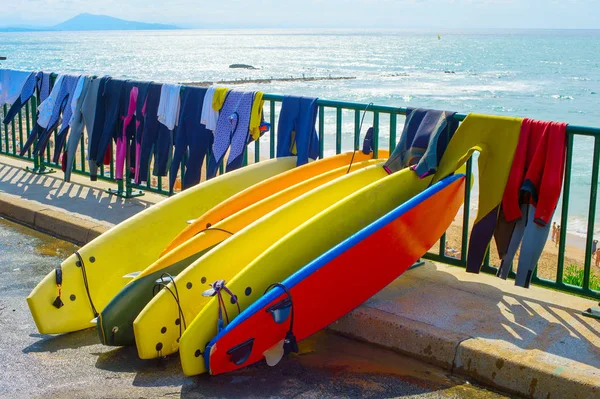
(53, 343)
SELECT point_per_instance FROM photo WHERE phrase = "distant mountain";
(104, 22)
(86, 21)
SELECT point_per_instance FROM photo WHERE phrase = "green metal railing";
(343, 119)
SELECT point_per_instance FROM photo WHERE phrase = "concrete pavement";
(531, 342)
(77, 366)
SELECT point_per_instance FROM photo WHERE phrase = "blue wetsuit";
(150, 132)
(26, 93)
(192, 138)
(112, 97)
(298, 114)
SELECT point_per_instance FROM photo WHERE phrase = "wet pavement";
(76, 365)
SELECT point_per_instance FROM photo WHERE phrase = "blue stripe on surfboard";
(333, 253)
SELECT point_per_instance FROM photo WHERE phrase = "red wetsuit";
(538, 168)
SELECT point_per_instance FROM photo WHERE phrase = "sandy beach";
(548, 263)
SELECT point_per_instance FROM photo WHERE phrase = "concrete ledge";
(51, 220)
(531, 373)
(423, 341)
(493, 363)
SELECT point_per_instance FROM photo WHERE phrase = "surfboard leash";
(81, 264)
(359, 130)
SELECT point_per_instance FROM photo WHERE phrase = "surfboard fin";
(274, 354)
(94, 320)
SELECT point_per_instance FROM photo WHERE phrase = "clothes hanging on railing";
(60, 104)
(27, 91)
(256, 117)
(192, 139)
(219, 98)
(126, 129)
(232, 130)
(296, 133)
(531, 196)
(423, 141)
(150, 134)
(43, 86)
(209, 115)
(482, 133)
(77, 124)
(139, 126)
(11, 85)
(89, 113)
(112, 96)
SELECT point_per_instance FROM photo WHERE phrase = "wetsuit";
(423, 141)
(192, 138)
(299, 115)
(77, 124)
(496, 139)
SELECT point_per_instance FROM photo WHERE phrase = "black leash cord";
(85, 282)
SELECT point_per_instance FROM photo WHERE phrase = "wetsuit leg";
(163, 151)
(479, 243)
(36, 131)
(307, 140)
(212, 167)
(97, 124)
(290, 107)
(112, 99)
(150, 133)
(125, 132)
(515, 240)
(534, 241)
(77, 125)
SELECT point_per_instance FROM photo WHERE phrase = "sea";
(543, 74)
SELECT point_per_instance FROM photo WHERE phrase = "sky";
(438, 14)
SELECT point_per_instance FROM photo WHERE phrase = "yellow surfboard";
(262, 190)
(115, 323)
(156, 328)
(298, 248)
(94, 274)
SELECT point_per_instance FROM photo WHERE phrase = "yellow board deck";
(157, 327)
(131, 246)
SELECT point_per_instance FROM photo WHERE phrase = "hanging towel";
(423, 141)
(531, 196)
(219, 98)
(296, 133)
(496, 139)
(11, 85)
(209, 116)
(256, 115)
(168, 107)
(26, 92)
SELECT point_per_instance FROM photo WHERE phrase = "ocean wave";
(562, 97)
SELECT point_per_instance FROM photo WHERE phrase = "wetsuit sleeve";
(553, 171)
(510, 200)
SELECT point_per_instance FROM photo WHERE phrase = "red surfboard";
(336, 282)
